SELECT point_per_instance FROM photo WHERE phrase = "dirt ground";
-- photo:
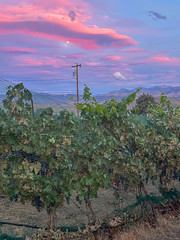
(72, 214)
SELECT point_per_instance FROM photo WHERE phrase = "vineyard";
(48, 159)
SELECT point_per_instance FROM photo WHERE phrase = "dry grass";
(168, 228)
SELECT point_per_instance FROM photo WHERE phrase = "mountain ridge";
(173, 94)
(63, 99)
(154, 91)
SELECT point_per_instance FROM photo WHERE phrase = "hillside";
(172, 92)
(41, 100)
(61, 101)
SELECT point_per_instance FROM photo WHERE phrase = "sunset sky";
(120, 43)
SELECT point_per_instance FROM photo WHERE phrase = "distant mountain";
(62, 100)
(155, 91)
(173, 92)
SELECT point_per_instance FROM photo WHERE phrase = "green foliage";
(144, 102)
(43, 111)
(46, 159)
(87, 94)
(18, 101)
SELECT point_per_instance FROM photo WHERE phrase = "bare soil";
(73, 214)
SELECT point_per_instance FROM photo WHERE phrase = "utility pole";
(77, 83)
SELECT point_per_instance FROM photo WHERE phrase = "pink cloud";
(56, 4)
(76, 33)
(36, 19)
(43, 10)
(47, 61)
(16, 50)
(112, 58)
(132, 50)
(163, 60)
(92, 64)
(29, 62)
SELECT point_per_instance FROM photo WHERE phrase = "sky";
(119, 43)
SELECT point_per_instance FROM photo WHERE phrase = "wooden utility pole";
(77, 83)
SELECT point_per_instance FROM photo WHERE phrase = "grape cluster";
(38, 203)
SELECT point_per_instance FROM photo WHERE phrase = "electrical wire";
(47, 100)
(42, 80)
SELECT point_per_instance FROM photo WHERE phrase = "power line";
(42, 80)
(42, 97)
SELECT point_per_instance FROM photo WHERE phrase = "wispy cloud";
(72, 15)
(61, 23)
(92, 64)
(77, 33)
(131, 50)
(112, 58)
(156, 15)
(74, 56)
(37, 62)
(161, 59)
(17, 50)
(164, 60)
